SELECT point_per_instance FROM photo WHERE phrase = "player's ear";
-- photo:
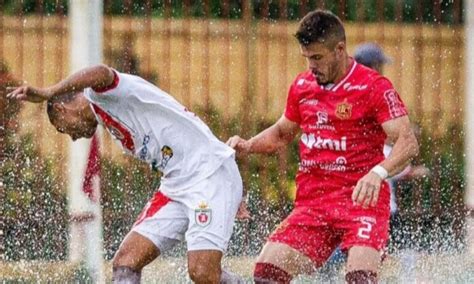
(340, 47)
(59, 107)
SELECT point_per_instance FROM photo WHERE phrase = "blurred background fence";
(232, 63)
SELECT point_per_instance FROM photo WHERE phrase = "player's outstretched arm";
(267, 141)
(92, 77)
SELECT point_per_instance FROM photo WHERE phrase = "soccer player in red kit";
(343, 112)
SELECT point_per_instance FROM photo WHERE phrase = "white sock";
(228, 277)
(125, 275)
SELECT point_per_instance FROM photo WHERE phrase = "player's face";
(323, 61)
(70, 120)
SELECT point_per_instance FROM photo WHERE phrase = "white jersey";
(151, 125)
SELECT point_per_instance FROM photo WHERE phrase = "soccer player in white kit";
(201, 187)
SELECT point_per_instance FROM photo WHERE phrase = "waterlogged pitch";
(404, 267)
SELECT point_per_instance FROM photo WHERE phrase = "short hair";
(65, 98)
(320, 26)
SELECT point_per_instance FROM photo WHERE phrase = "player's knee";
(269, 273)
(125, 258)
(361, 277)
(201, 273)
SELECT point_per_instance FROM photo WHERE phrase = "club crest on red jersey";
(344, 110)
(203, 214)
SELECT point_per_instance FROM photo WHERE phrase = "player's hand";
(366, 192)
(243, 213)
(242, 146)
(28, 93)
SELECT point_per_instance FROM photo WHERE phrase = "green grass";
(428, 268)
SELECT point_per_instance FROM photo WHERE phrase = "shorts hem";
(195, 248)
(300, 250)
(349, 246)
(154, 240)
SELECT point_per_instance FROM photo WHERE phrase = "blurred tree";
(34, 216)
(197, 9)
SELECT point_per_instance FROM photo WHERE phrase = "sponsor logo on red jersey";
(395, 106)
(337, 166)
(322, 117)
(349, 87)
(316, 142)
(322, 121)
(312, 102)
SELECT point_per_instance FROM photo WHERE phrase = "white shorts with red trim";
(203, 215)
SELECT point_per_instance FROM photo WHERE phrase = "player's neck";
(88, 115)
(345, 66)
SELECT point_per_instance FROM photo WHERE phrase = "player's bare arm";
(367, 190)
(92, 77)
(405, 146)
(268, 141)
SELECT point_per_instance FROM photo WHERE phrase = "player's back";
(154, 127)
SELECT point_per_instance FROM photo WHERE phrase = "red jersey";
(341, 133)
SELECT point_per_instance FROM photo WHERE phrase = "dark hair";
(52, 114)
(320, 26)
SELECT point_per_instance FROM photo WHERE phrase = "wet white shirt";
(151, 125)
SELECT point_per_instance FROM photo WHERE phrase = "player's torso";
(138, 132)
(152, 126)
(340, 139)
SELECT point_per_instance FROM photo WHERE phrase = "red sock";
(269, 273)
(361, 277)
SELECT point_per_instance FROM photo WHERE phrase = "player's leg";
(134, 253)
(295, 249)
(365, 243)
(278, 262)
(159, 227)
(212, 204)
(362, 265)
(205, 266)
(365, 240)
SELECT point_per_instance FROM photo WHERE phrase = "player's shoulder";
(304, 80)
(370, 77)
(365, 74)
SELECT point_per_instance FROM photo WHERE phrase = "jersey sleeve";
(292, 105)
(386, 101)
(113, 86)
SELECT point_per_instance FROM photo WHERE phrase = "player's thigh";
(305, 232)
(160, 226)
(287, 258)
(363, 258)
(213, 204)
(365, 238)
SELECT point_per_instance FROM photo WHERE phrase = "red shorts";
(317, 230)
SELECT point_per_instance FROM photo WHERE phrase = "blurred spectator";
(372, 56)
